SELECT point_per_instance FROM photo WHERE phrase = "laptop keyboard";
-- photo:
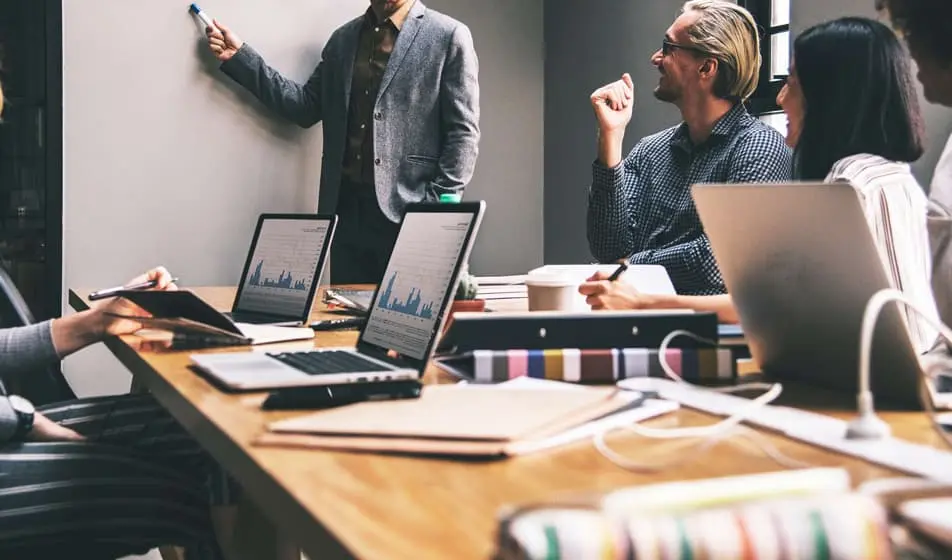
(329, 361)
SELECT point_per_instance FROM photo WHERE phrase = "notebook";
(453, 420)
(197, 323)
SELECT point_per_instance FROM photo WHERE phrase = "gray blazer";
(426, 127)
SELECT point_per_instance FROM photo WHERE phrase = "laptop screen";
(285, 257)
(411, 296)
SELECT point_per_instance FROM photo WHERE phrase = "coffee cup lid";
(551, 280)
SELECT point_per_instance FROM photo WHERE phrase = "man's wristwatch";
(25, 413)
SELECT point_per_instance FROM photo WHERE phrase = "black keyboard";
(317, 362)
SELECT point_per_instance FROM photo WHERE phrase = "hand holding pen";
(618, 272)
(120, 316)
(157, 278)
(604, 291)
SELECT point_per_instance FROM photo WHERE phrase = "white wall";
(509, 43)
(167, 162)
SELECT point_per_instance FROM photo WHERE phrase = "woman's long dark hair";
(859, 96)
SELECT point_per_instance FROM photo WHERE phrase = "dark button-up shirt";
(642, 209)
(374, 48)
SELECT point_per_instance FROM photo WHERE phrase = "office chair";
(44, 386)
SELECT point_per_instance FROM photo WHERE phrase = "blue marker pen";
(195, 9)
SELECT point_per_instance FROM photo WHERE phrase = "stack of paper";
(502, 287)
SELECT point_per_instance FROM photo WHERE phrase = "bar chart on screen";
(416, 281)
(283, 266)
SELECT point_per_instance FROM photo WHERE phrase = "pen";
(110, 292)
(621, 268)
(200, 14)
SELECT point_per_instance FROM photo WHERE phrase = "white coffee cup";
(552, 292)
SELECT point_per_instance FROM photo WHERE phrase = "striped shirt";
(895, 208)
(642, 208)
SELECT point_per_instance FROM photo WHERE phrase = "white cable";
(771, 392)
(711, 434)
(873, 308)
(866, 425)
(745, 434)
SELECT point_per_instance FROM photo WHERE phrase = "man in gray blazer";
(397, 90)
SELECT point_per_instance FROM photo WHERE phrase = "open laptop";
(283, 269)
(801, 264)
(406, 314)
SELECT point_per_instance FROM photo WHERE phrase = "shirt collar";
(725, 126)
(397, 19)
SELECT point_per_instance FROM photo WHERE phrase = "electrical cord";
(929, 367)
(709, 435)
(867, 425)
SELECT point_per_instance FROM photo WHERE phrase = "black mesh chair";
(44, 386)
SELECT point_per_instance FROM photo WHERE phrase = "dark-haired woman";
(853, 115)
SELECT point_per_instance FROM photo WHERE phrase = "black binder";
(542, 330)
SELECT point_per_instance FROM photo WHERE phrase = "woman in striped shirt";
(853, 115)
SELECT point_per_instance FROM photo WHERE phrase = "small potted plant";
(465, 299)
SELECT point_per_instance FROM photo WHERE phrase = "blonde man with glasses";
(640, 207)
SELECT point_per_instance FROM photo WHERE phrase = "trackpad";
(255, 368)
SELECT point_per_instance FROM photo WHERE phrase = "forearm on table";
(77, 331)
(721, 304)
(27, 348)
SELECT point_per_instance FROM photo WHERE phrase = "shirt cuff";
(241, 59)
(48, 349)
(607, 178)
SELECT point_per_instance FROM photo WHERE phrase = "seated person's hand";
(45, 429)
(118, 306)
(604, 294)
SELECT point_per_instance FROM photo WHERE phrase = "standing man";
(640, 207)
(397, 90)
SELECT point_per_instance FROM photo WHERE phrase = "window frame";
(764, 99)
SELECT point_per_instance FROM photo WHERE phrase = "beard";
(668, 95)
(665, 92)
(385, 5)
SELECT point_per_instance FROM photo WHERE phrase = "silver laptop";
(801, 264)
(283, 269)
(406, 314)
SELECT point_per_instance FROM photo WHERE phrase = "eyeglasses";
(667, 46)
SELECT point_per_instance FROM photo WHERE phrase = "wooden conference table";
(336, 504)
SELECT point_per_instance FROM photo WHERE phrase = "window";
(776, 120)
(773, 18)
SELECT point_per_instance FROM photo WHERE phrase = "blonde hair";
(728, 33)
